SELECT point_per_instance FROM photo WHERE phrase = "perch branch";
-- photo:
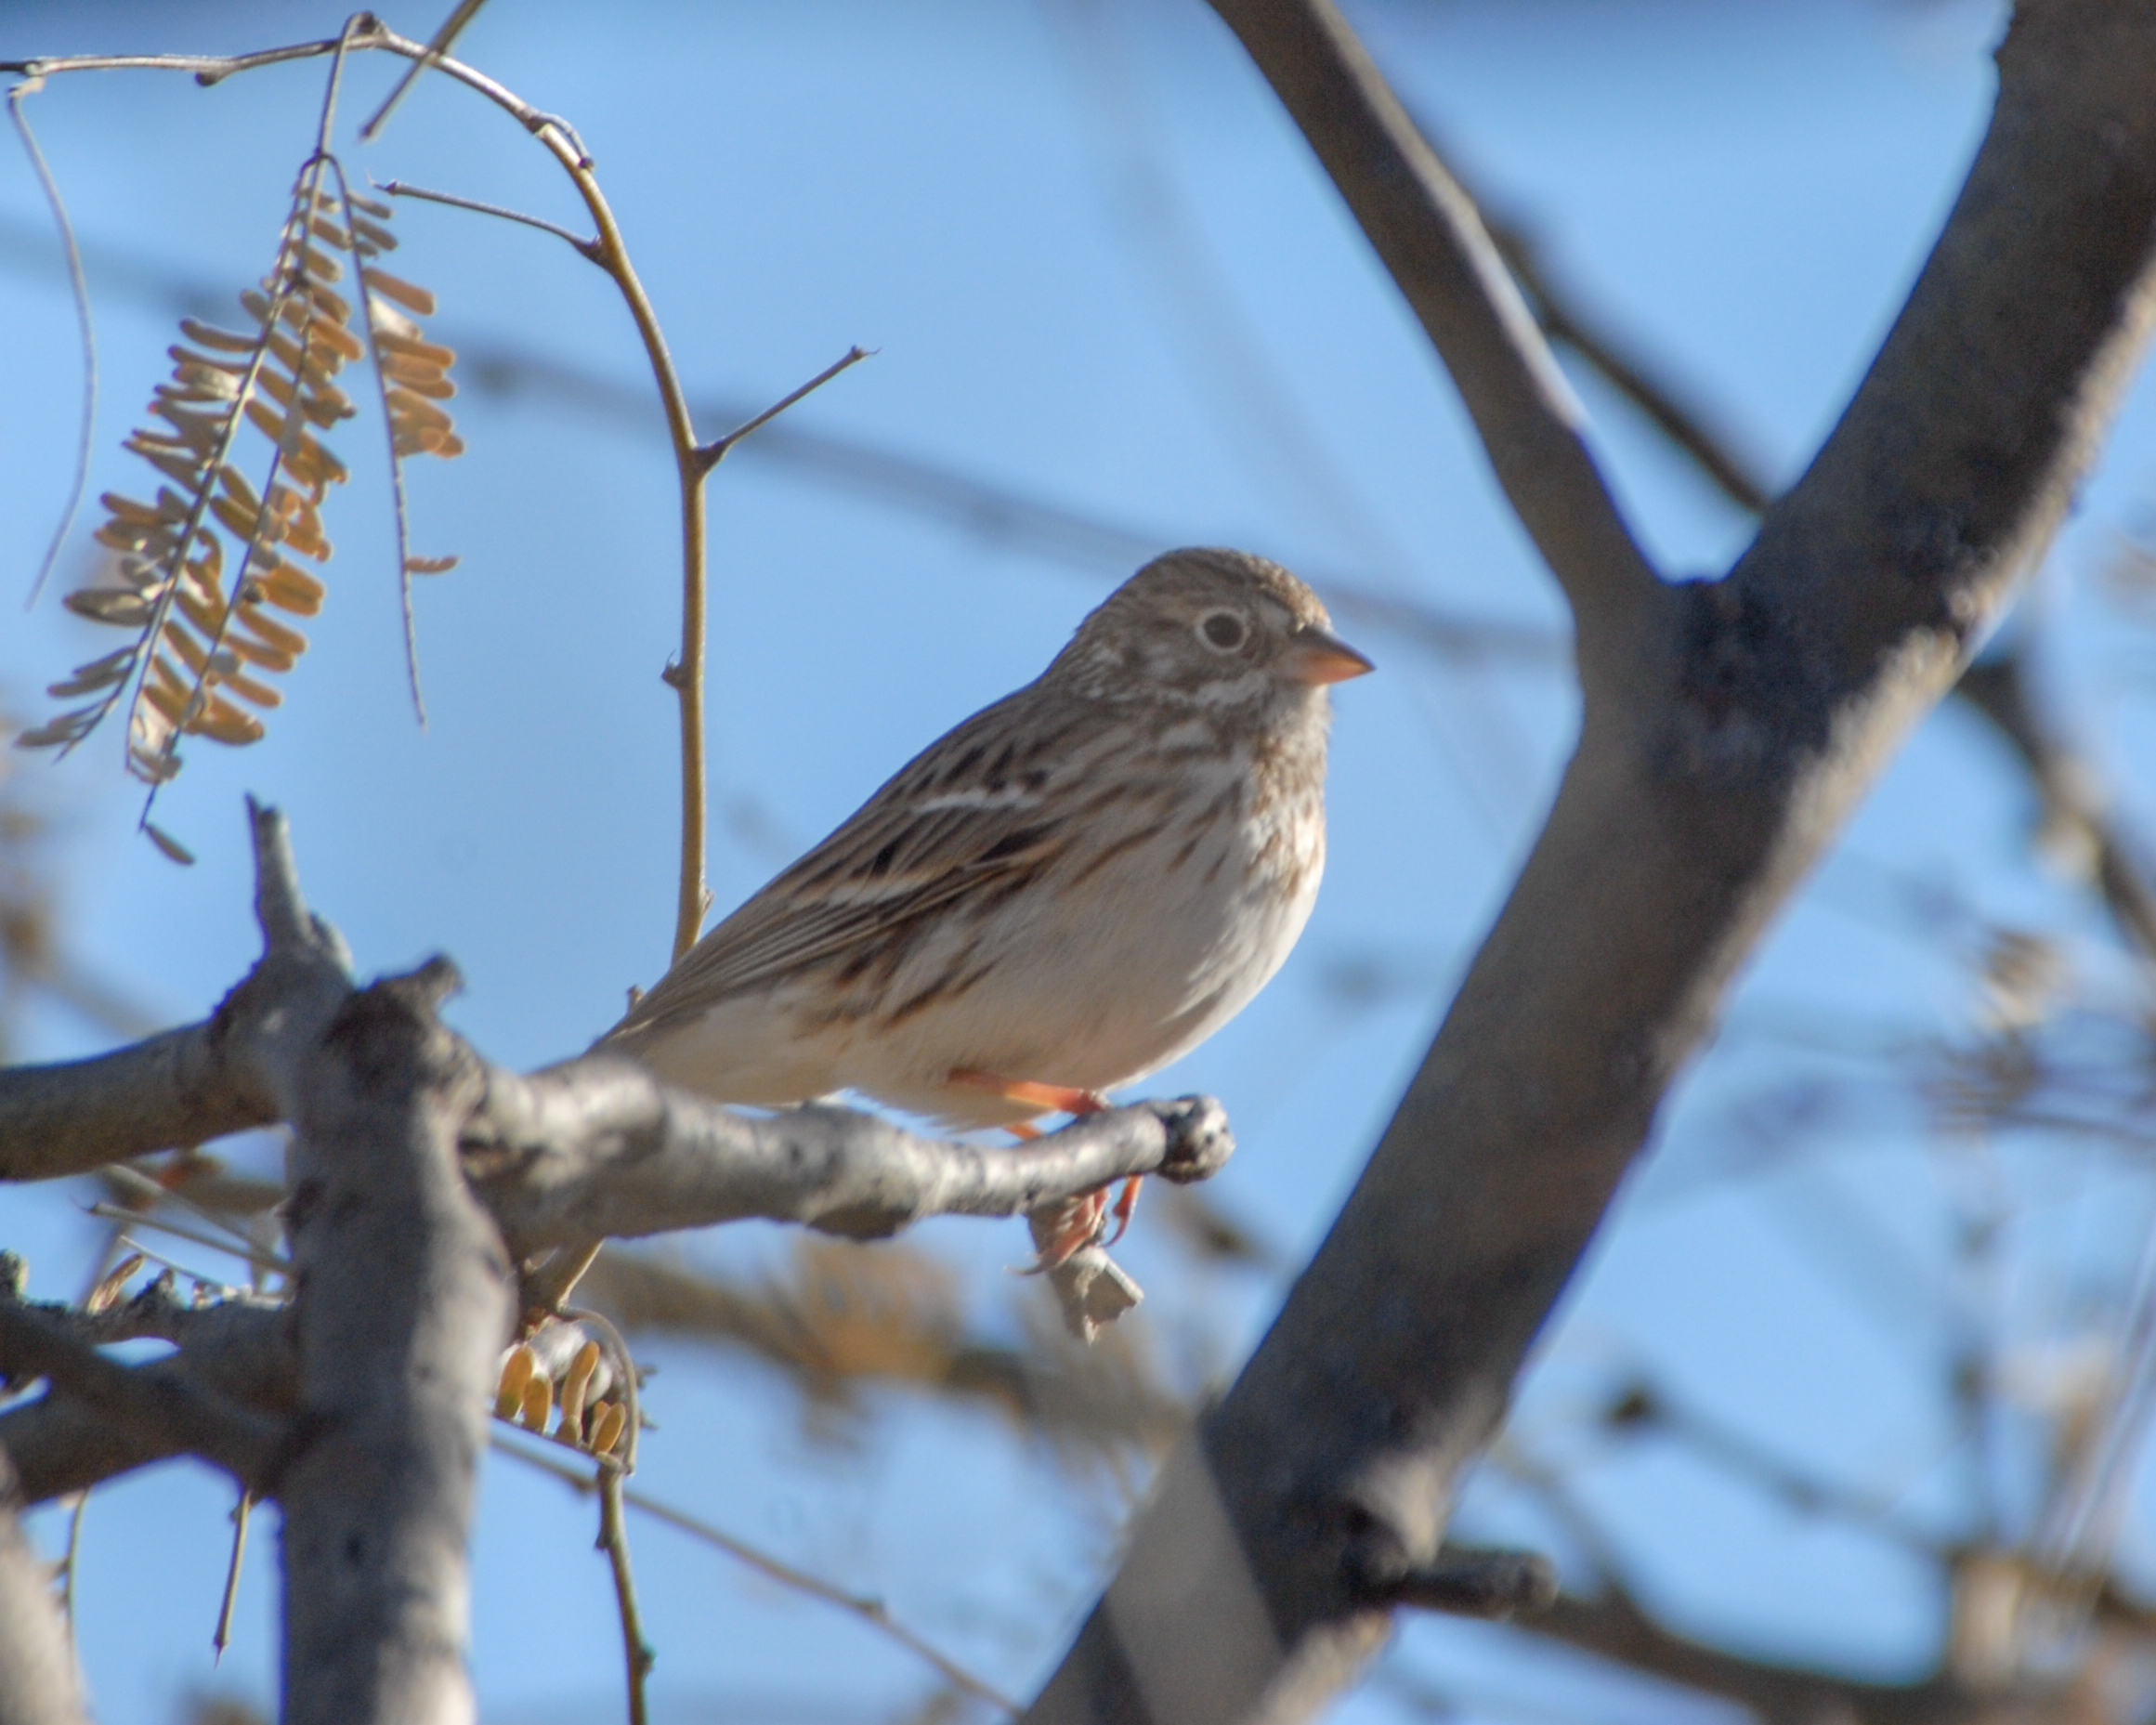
(599, 1147)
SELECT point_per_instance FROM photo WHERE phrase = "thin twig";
(247, 1250)
(222, 1638)
(437, 45)
(636, 1654)
(152, 1191)
(871, 1611)
(585, 248)
(397, 508)
(80, 1508)
(80, 285)
(710, 455)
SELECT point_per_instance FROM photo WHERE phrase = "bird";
(1063, 894)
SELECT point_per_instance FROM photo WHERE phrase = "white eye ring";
(1223, 631)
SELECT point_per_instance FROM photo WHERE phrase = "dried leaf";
(538, 1403)
(99, 674)
(110, 604)
(67, 728)
(609, 1420)
(109, 1285)
(223, 722)
(515, 1373)
(258, 694)
(291, 589)
(171, 846)
(223, 341)
(412, 347)
(429, 566)
(288, 641)
(416, 300)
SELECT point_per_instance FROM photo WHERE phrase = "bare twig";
(1431, 241)
(636, 1654)
(710, 455)
(1566, 322)
(588, 249)
(221, 1637)
(78, 1512)
(72, 251)
(437, 45)
(1470, 1583)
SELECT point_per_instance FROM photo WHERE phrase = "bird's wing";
(974, 808)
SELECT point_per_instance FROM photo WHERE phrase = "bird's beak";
(1318, 656)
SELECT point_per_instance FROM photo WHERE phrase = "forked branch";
(1429, 238)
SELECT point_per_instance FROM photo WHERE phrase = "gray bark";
(418, 1176)
(1728, 729)
(37, 1665)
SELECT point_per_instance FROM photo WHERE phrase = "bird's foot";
(1083, 1220)
(1072, 1225)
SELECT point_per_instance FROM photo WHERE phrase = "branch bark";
(1712, 769)
(405, 1300)
(236, 1352)
(37, 1667)
(414, 1171)
(1431, 237)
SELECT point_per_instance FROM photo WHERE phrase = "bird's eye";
(1223, 631)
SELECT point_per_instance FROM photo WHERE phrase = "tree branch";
(37, 1665)
(2072, 792)
(404, 1305)
(598, 1147)
(1708, 779)
(1429, 238)
(164, 1411)
(235, 1353)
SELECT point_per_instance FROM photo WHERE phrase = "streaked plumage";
(1074, 887)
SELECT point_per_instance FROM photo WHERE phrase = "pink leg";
(1086, 1217)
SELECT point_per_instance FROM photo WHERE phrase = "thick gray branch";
(405, 1300)
(1706, 781)
(598, 1147)
(175, 1090)
(1428, 234)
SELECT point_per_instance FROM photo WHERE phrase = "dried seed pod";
(538, 1403)
(609, 1420)
(517, 1369)
(574, 1383)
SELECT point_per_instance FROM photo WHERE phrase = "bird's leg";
(1048, 1098)
(1089, 1213)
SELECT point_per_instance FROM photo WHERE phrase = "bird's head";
(1214, 630)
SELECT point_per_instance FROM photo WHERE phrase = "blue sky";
(1100, 270)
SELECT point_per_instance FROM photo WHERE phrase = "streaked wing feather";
(890, 863)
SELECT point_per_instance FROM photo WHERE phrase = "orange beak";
(1318, 656)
